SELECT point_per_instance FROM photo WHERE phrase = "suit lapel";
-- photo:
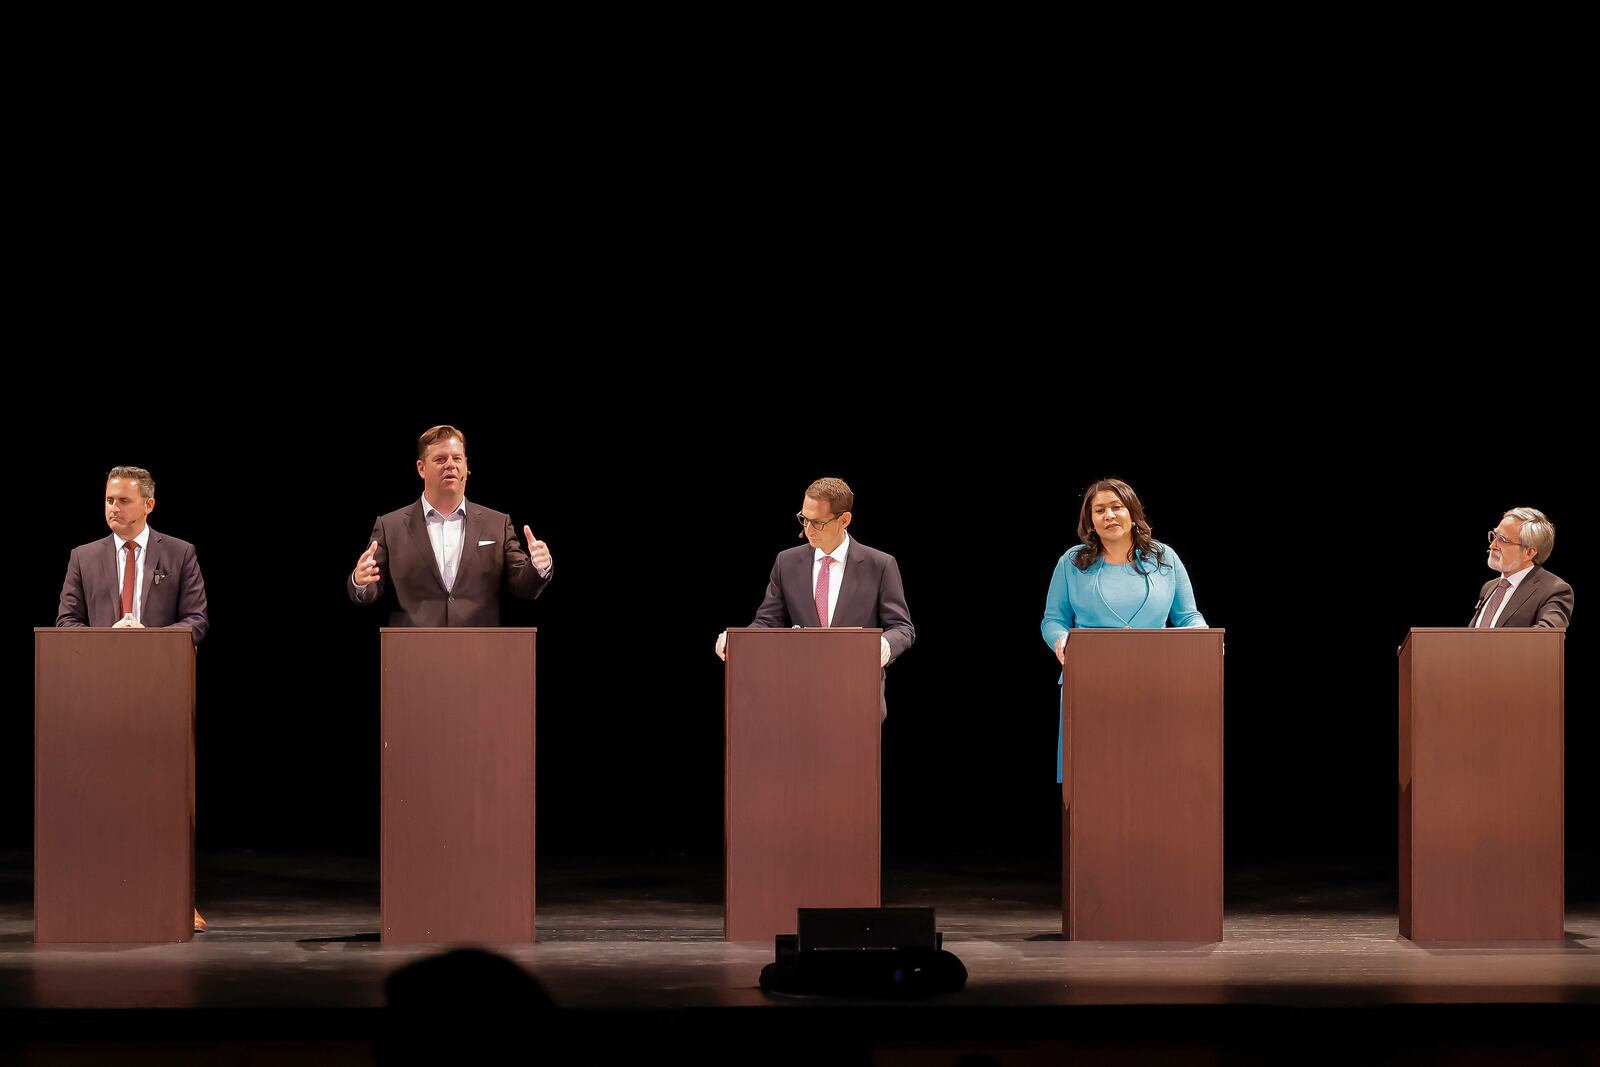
(1483, 598)
(806, 563)
(151, 558)
(418, 528)
(1522, 594)
(105, 565)
(848, 584)
(470, 532)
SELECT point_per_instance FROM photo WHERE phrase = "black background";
(1317, 522)
(1327, 356)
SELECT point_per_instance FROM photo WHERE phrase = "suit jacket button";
(452, 600)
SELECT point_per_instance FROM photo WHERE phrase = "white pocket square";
(482, 543)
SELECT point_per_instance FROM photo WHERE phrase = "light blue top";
(1140, 596)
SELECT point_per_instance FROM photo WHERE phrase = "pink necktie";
(1487, 618)
(129, 575)
(822, 590)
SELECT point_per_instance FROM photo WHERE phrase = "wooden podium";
(803, 743)
(113, 785)
(1481, 721)
(458, 800)
(1141, 786)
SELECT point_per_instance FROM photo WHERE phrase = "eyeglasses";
(815, 524)
(1496, 535)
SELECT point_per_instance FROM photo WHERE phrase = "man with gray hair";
(1524, 594)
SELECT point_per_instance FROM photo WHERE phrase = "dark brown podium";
(458, 734)
(113, 785)
(803, 740)
(1141, 786)
(1480, 784)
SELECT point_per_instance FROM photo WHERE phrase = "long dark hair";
(1144, 545)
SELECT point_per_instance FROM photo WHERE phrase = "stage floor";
(295, 939)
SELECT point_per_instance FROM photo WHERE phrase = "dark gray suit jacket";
(408, 569)
(174, 591)
(870, 596)
(1540, 599)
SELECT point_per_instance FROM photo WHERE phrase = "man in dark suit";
(835, 580)
(1524, 593)
(446, 560)
(163, 587)
(136, 577)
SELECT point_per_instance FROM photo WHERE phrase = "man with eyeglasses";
(1525, 594)
(835, 580)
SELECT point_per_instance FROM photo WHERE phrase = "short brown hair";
(147, 484)
(438, 433)
(834, 491)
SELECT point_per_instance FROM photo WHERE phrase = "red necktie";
(129, 574)
(822, 590)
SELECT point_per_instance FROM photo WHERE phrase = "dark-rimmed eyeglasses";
(814, 524)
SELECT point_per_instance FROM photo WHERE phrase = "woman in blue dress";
(1120, 577)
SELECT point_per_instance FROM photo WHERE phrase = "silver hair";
(1538, 532)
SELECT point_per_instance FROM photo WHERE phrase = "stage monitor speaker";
(873, 952)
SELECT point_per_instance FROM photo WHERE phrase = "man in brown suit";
(1524, 593)
(447, 560)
